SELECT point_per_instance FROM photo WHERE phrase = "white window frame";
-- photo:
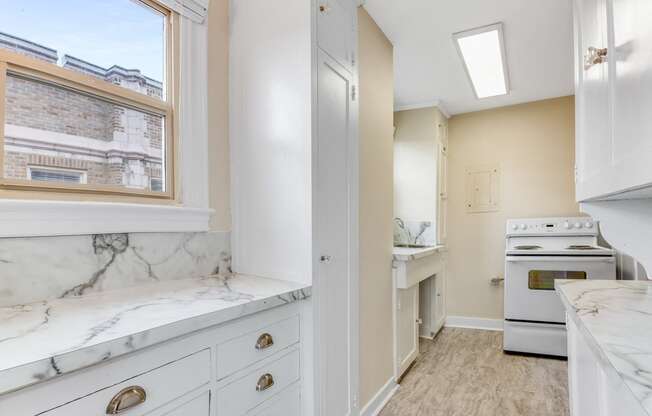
(190, 213)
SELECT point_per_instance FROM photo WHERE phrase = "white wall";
(533, 144)
(415, 164)
(218, 114)
(376, 235)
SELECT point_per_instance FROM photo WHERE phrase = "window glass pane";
(59, 175)
(119, 41)
(49, 127)
(545, 279)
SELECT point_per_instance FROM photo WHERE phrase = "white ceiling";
(428, 70)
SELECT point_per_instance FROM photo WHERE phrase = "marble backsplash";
(38, 268)
(414, 232)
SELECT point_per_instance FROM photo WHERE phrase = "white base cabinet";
(593, 389)
(239, 368)
(407, 327)
(419, 305)
(432, 306)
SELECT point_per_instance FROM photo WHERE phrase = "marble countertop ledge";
(43, 340)
(409, 254)
(615, 318)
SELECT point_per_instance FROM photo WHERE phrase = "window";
(545, 279)
(87, 97)
(37, 173)
(156, 184)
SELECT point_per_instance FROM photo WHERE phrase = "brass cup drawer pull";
(264, 382)
(264, 341)
(126, 399)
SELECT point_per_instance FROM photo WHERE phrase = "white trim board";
(24, 218)
(380, 399)
(474, 323)
(427, 104)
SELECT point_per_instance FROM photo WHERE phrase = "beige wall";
(533, 144)
(376, 178)
(218, 114)
(415, 163)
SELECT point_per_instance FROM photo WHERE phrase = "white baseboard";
(381, 398)
(474, 323)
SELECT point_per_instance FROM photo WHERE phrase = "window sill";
(24, 218)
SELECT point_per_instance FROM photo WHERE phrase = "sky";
(103, 32)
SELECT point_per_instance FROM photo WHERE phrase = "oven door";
(530, 283)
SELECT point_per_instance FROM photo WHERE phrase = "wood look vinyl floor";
(464, 372)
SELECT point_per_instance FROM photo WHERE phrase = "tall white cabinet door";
(630, 59)
(335, 24)
(335, 283)
(593, 138)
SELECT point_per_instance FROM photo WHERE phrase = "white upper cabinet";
(613, 98)
(593, 140)
(336, 24)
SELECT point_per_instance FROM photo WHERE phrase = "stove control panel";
(561, 226)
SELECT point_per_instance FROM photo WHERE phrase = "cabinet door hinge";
(353, 93)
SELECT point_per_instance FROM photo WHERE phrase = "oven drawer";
(529, 283)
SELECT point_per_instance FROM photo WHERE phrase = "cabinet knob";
(595, 56)
(324, 8)
(264, 382)
(126, 399)
(264, 341)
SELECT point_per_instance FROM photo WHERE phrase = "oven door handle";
(583, 259)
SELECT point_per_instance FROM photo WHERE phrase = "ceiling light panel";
(483, 52)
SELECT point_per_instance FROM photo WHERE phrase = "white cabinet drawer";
(241, 396)
(240, 352)
(191, 406)
(287, 403)
(161, 385)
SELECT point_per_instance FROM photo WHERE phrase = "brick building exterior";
(54, 133)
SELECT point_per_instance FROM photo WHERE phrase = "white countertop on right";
(615, 317)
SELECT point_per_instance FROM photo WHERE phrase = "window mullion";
(87, 84)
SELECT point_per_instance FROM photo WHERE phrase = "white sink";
(413, 265)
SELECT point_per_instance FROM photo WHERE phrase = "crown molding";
(427, 104)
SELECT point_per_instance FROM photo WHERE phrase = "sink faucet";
(402, 229)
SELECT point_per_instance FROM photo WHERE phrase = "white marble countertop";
(43, 340)
(408, 254)
(616, 320)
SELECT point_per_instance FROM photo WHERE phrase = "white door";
(593, 141)
(335, 23)
(407, 316)
(336, 276)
